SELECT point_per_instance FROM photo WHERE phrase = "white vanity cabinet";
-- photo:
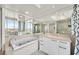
(28, 49)
(54, 46)
(49, 46)
(64, 48)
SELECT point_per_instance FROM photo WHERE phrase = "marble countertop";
(57, 37)
(23, 45)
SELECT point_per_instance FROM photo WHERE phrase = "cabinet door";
(44, 49)
(50, 45)
(64, 48)
(27, 50)
(53, 47)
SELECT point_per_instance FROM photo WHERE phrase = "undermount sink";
(22, 42)
(19, 43)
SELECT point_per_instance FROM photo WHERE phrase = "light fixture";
(38, 5)
(62, 17)
(57, 13)
(52, 17)
(53, 6)
(55, 18)
(26, 12)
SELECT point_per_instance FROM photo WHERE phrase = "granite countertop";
(58, 37)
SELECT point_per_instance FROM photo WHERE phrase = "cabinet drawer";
(48, 50)
(44, 49)
(63, 44)
(63, 51)
(61, 47)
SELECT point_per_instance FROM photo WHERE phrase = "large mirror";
(63, 26)
(36, 28)
(29, 26)
(25, 27)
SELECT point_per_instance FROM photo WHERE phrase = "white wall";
(0, 28)
(14, 14)
(3, 29)
(10, 13)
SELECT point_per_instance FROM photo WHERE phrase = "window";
(21, 26)
(28, 26)
(11, 23)
(16, 24)
(6, 23)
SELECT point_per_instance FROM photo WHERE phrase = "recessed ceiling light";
(54, 17)
(38, 5)
(62, 17)
(53, 6)
(56, 13)
(17, 10)
(27, 12)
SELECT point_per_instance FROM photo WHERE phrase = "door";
(52, 45)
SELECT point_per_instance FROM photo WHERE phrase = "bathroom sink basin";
(17, 44)
(23, 42)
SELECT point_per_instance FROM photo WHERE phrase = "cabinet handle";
(54, 40)
(62, 47)
(63, 42)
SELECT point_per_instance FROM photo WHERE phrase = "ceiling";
(41, 11)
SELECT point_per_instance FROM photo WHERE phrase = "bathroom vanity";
(55, 44)
(48, 43)
(27, 48)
